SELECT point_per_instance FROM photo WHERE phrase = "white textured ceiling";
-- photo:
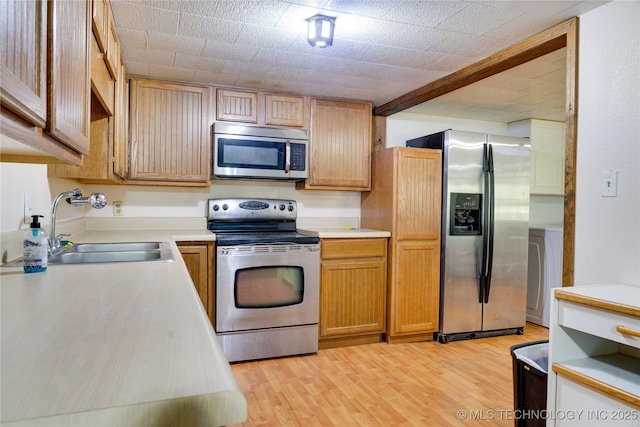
(382, 49)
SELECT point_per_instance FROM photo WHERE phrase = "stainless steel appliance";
(267, 279)
(485, 233)
(241, 151)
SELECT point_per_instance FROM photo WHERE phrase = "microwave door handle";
(287, 156)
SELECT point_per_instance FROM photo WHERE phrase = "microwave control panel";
(298, 157)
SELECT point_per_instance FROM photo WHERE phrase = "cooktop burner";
(248, 221)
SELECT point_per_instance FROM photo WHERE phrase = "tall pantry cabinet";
(405, 199)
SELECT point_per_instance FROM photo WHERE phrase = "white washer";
(545, 270)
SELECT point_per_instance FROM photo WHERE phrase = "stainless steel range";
(267, 279)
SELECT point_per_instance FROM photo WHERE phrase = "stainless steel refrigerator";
(485, 233)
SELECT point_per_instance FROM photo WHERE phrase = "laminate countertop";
(344, 233)
(113, 344)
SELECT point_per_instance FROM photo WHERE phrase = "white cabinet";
(594, 356)
(547, 153)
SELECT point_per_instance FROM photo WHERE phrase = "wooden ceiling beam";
(534, 47)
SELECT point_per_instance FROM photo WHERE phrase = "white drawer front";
(581, 406)
(598, 322)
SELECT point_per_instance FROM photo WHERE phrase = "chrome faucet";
(75, 198)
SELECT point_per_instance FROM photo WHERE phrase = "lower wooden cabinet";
(200, 260)
(414, 291)
(352, 291)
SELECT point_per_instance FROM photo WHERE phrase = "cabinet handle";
(628, 331)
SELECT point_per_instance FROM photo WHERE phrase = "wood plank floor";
(416, 384)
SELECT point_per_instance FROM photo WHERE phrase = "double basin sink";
(91, 253)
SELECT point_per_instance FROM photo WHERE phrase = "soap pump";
(35, 247)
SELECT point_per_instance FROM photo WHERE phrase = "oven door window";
(253, 154)
(268, 287)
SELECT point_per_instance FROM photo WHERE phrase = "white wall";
(156, 201)
(607, 245)
(403, 126)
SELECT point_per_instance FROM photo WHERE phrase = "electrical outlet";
(117, 208)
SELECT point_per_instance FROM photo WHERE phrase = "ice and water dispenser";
(466, 214)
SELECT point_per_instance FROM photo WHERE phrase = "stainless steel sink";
(91, 253)
(113, 247)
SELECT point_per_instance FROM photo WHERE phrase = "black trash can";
(530, 370)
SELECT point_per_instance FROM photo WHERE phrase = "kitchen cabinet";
(405, 199)
(199, 258)
(594, 352)
(262, 108)
(339, 146)
(45, 86)
(107, 154)
(547, 153)
(237, 106)
(353, 277)
(170, 133)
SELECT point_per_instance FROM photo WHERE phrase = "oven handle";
(287, 156)
(270, 244)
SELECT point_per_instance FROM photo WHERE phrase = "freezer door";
(460, 307)
(505, 306)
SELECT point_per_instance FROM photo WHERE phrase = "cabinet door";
(120, 125)
(200, 265)
(353, 287)
(170, 140)
(414, 288)
(547, 157)
(340, 146)
(69, 78)
(237, 106)
(418, 193)
(23, 87)
(284, 110)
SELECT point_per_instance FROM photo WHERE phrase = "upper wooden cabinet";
(261, 108)
(405, 200)
(69, 75)
(106, 161)
(340, 146)
(23, 60)
(45, 75)
(237, 106)
(170, 133)
(284, 110)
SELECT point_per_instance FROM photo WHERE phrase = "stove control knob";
(281, 207)
(225, 207)
(290, 208)
(216, 208)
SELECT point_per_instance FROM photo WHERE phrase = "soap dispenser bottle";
(35, 247)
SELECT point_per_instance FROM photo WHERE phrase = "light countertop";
(113, 344)
(344, 233)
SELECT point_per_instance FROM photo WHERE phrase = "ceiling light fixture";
(321, 30)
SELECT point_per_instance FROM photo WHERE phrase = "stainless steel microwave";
(241, 151)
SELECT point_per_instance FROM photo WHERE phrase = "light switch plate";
(609, 183)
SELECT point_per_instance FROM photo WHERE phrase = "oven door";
(267, 286)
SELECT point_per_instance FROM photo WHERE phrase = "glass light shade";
(321, 29)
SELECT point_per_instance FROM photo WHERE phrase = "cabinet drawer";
(591, 407)
(621, 328)
(353, 248)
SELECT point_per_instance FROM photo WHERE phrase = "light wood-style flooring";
(416, 384)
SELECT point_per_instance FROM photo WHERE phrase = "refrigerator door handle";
(491, 214)
(482, 274)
